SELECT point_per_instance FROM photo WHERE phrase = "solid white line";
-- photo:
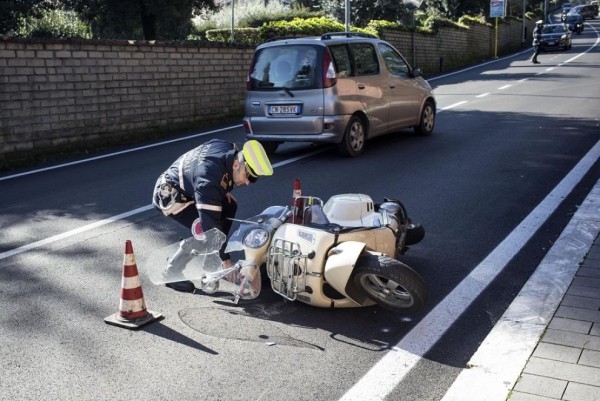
(494, 369)
(477, 66)
(8, 177)
(121, 216)
(453, 105)
(378, 382)
(71, 233)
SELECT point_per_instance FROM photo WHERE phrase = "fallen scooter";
(338, 254)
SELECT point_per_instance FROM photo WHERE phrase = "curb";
(495, 368)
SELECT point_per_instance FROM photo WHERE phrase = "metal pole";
(347, 16)
(232, 19)
(523, 27)
(414, 48)
(496, 40)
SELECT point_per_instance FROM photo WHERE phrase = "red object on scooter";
(297, 204)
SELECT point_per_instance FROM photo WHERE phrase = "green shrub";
(248, 14)
(305, 27)
(56, 24)
(241, 35)
(472, 20)
(433, 23)
(259, 17)
(376, 27)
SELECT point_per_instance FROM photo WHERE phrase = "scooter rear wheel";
(390, 283)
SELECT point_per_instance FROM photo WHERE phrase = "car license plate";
(284, 109)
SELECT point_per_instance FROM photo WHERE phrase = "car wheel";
(353, 142)
(427, 120)
(270, 147)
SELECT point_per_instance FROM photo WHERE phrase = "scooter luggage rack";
(286, 267)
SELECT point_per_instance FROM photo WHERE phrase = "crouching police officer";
(195, 192)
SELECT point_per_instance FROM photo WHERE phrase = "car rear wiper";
(288, 91)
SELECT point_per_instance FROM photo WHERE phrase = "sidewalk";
(565, 365)
(546, 346)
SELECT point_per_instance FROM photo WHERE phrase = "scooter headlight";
(256, 237)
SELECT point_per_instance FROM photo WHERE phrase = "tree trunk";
(148, 22)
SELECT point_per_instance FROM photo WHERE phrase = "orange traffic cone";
(132, 312)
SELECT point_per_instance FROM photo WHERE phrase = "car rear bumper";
(328, 129)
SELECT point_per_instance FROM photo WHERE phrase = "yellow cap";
(256, 158)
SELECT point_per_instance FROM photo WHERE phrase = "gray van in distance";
(341, 88)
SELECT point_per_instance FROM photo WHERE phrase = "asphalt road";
(507, 133)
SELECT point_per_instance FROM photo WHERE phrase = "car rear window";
(287, 66)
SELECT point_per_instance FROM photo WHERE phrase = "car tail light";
(329, 78)
(248, 85)
(249, 75)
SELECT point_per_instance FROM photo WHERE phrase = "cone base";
(133, 324)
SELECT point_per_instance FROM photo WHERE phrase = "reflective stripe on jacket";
(205, 174)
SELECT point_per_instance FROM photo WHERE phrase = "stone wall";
(61, 96)
(452, 48)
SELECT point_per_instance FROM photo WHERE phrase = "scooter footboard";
(286, 268)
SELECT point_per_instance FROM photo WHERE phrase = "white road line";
(494, 369)
(477, 66)
(121, 216)
(453, 105)
(71, 233)
(378, 382)
(483, 94)
(504, 87)
(8, 177)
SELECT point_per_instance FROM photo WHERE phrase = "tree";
(446, 8)
(363, 11)
(12, 12)
(139, 19)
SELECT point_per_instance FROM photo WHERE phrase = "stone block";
(557, 352)
(576, 326)
(569, 312)
(581, 302)
(572, 339)
(563, 371)
(590, 358)
(581, 392)
(541, 386)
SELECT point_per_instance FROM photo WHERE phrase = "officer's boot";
(176, 265)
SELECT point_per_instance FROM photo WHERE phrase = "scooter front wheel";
(390, 283)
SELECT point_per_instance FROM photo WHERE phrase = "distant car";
(574, 23)
(555, 36)
(587, 12)
(594, 5)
